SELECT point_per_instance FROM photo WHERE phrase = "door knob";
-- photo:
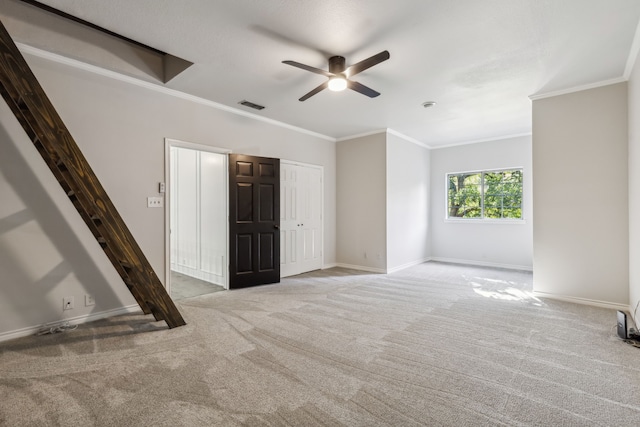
(276, 226)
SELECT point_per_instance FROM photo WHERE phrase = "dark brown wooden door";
(254, 220)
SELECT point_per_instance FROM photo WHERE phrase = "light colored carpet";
(436, 344)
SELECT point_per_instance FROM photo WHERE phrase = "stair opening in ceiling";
(62, 33)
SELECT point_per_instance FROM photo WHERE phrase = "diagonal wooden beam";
(35, 112)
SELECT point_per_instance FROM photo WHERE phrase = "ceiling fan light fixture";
(337, 83)
(339, 76)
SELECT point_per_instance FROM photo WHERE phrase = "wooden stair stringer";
(35, 112)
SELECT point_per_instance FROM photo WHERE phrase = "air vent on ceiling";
(251, 105)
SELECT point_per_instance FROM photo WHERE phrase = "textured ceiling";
(480, 60)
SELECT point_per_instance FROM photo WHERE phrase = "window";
(485, 195)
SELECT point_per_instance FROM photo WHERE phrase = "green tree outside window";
(487, 194)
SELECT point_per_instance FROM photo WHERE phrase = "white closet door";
(310, 214)
(288, 220)
(300, 218)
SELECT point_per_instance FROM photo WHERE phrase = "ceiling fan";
(339, 77)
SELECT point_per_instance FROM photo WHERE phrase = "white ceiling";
(479, 59)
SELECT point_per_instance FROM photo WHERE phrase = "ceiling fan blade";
(358, 87)
(367, 63)
(308, 68)
(313, 92)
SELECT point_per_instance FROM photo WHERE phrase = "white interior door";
(288, 219)
(310, 210)
(300, 218)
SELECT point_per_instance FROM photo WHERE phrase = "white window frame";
(482, 218)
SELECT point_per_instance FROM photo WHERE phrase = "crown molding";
(478, 141)
(390, 131)
(595, 85)
(361, 135)
(40, 53)
(633, 53)
(408, 139)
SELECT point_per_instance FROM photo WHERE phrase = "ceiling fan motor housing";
(336, 64)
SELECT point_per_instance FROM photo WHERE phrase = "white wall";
(581, 216)
(46, 250)
(634, 189)
(407, 203)
(47, 253)
(361, 202)
(488, 243)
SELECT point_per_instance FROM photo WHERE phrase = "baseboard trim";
(483, 263)
(407, 265)
(328, 266)
(32, 330)
(582, 301)
(362, 268)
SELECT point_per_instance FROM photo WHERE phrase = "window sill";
(486, 221)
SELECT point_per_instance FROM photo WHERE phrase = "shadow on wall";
(47, 244)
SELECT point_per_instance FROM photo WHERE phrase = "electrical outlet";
(155, 202)
(89, 300)
(67, 303)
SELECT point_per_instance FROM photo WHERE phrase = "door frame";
(168, 143)
(321, 169)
